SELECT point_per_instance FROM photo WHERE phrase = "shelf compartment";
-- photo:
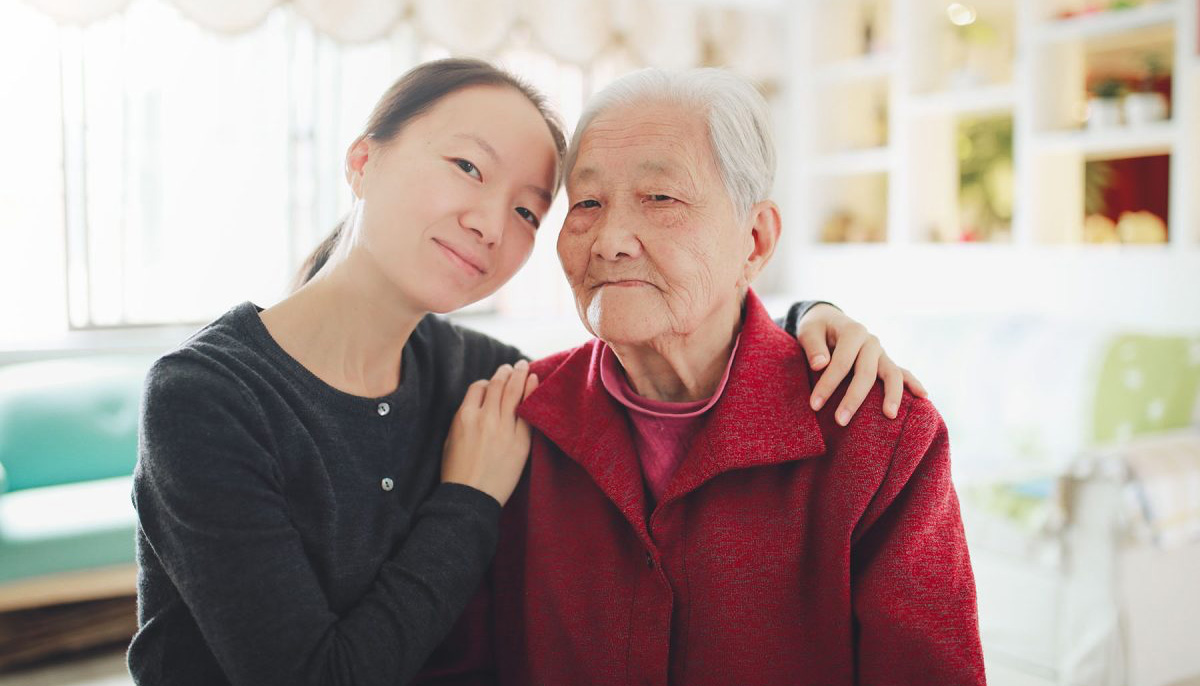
(1150, 139)
(852, 162)
(984, 100)
(876, 67)
(1109, 26)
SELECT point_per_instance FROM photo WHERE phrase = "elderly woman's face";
(651, 244)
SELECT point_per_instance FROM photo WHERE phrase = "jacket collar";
(762, 418)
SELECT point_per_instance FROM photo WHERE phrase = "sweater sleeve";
(791, 323)
(212, 507)
(912, 585)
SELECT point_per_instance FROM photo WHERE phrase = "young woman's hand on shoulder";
(488, 444)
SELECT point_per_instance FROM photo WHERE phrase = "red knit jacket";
(786, 550)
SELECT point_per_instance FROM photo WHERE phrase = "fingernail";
(817, 402)
(891, 410)
(819, 360)
(843, 417)
(521, 364)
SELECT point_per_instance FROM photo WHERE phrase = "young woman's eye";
(529, 216)
(585, 204)
(469, 168)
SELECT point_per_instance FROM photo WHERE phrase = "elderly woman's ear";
(764, 236)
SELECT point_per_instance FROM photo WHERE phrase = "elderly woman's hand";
(825, 326)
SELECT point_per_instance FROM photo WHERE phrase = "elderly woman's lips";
(627, 283)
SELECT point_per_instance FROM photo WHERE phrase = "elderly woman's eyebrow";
(656, 167)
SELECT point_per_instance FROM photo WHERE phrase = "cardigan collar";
(762, 418)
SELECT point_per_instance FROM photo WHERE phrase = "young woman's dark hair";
(410, 97)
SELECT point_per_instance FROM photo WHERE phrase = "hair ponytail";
(319, 257)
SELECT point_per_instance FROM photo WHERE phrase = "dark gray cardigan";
(290, 533)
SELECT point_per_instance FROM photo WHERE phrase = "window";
(165, 172)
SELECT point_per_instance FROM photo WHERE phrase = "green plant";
(1155, 67)
(1097, 179)
(1108, 88)
(985, 175)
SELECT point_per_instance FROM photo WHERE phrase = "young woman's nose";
(486, 221)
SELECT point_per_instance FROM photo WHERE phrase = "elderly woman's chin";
(623, 316)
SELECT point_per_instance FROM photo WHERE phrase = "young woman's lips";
(458, 259)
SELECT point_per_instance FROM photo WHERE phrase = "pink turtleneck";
(663, 431)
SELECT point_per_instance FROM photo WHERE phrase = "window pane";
(186, 157)
(32, 271)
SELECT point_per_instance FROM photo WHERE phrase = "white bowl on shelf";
(1145, 108)
(1104, 113)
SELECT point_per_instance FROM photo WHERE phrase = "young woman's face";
(450, 207)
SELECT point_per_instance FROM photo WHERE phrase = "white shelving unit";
(873, 114)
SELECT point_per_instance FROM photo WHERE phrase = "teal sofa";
(68, 446)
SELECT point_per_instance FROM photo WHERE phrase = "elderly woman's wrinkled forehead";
(734, 114)
(654, 140)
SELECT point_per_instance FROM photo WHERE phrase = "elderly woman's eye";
(529, 216)
(468, 167)
(658, 197)
(585, 204)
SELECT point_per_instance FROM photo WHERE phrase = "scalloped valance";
(666, 33)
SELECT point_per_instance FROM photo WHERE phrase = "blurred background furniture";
(1076, 454)
(68, 445)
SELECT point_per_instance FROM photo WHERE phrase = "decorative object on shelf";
(844, 226)
(1098, 228)
(1147, 104)
(1125, 200)
(1099, 7)
(973, 37)
(985, 179)
(881, 120)
(1141, 227)
(1097, 179)
(870, 28)
(1104, 107)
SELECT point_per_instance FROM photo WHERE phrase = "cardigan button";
(649, 560)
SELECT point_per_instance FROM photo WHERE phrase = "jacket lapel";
(572, 409)
(763, 416)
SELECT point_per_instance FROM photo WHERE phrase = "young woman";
(314, 506)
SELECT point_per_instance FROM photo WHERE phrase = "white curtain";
(667, 33)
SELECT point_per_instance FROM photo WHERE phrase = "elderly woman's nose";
(615, 237)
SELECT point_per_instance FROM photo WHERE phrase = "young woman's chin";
(449, 298)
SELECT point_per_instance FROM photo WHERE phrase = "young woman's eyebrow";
(484, 145)
(541, 193)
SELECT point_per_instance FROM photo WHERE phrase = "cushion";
(66, 528)
(63, 421)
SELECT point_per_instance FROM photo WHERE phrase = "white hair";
(739, 123)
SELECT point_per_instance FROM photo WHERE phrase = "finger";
(844, 354)
(495, 390)
(524, 432)
(531, 385)
(914, 386)
(866, 370)
(812, 340)
(473, 399)
(514, 389)
(893, 386)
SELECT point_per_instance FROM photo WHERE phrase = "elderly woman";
(686, 517)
